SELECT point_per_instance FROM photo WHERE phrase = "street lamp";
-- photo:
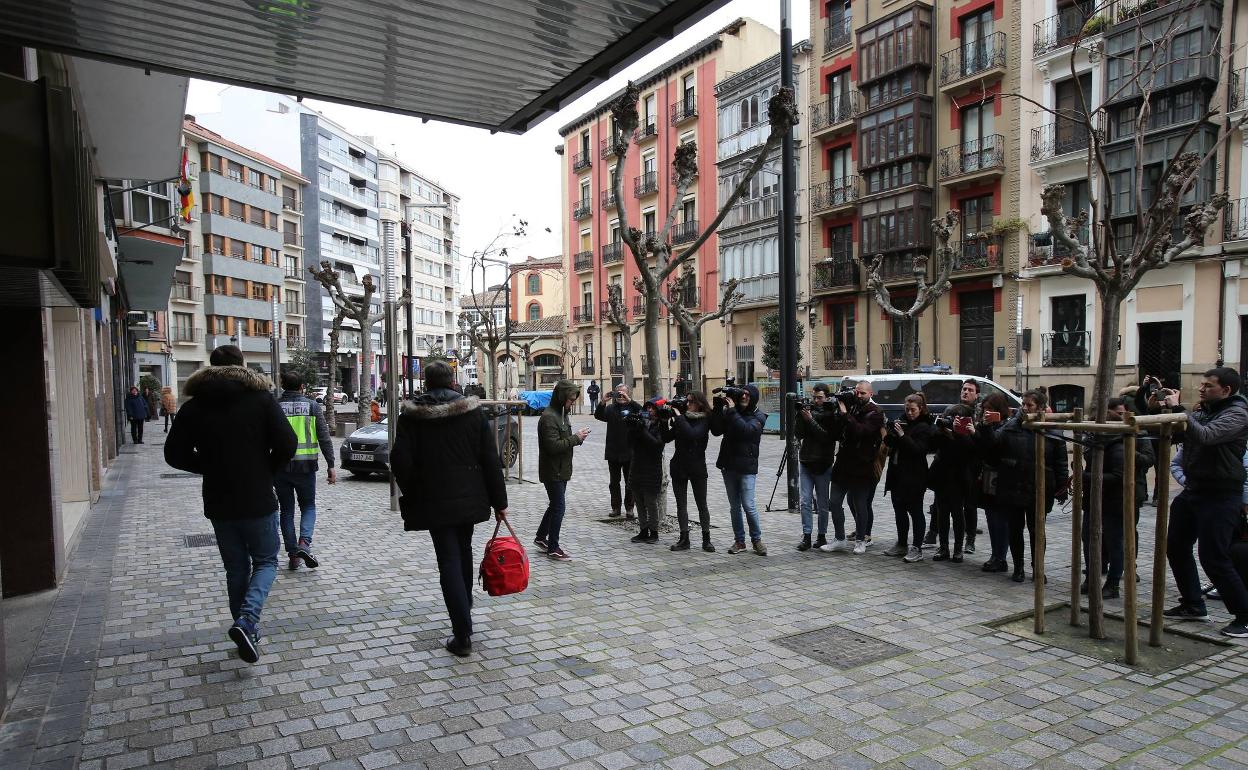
(506, 301)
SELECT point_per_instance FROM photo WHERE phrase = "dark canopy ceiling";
(496, 64)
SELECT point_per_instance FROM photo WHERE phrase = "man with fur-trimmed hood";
(233, 433)
(445, 461)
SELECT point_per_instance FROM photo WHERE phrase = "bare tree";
(926, 293)
(486, 333)
(656, 246)
(331, 413)
(682, 295)
(360, 310)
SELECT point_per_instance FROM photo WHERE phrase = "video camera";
(729, 390)
(677, 404)
(846, 396)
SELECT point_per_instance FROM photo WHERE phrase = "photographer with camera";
(618, 452)
(909, 440)
(690, 428)
(738, 419)
(1010, 449)
(954, 473)
(816, 429)
(645, 434)
(858, 424)
(1208, 509)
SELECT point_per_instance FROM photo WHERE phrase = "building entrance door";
(1161, 352)
(975, 311)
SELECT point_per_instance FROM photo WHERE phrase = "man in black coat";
(619, 451)
(954, 474)
(446, 464)
(646, 471)
(233, 433)
(741, 424)
(853, 475)
(816, 429)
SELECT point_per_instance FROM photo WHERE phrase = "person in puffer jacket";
(691, 430)
(555, 443)
(645, 434)
(909, 440)
(741, 425)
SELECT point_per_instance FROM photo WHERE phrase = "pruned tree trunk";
(331, 413)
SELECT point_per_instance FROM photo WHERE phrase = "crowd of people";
(259, 458)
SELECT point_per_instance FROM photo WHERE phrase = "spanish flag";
(185, 194)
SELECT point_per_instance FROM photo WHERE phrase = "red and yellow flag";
(185, 194)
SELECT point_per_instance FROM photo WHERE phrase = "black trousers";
(950, 509)
(1020, 518)
(680, 486)
(453, 547)
(970, 509)
(908, 510)
(136, 430)
(618, 469)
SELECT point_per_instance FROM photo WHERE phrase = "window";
(238, 249)
(546, 359)
(1120, 192)
(217, 286)
(649, 164)
(839, 165)
(1071, 128)
(587, 348)
(290, 198)
(1070, 313)
(535, 283)
(290, 233)
(688, 210)
(150, 205)
(841, 318)
(216, 204)
(181, 324)
(976, 39)
(234, 209)
(976, 215)
(585, 143)
(253, 178)
(292, 297)
(584, 199)
(688, 92)
(535, 311)
(257, 216)
(259, 291)
(648, 113)
(648, 222)
(238, 287)
(234, 171)
(842, 243)
(587, 296)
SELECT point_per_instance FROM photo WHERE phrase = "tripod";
(784, 458)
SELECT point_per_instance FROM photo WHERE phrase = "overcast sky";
(500, 175)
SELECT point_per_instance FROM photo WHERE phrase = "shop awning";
(497, 64)
(147, 262)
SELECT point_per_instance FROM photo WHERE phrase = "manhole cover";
(839, 647)
(178, 476)
(200, 541)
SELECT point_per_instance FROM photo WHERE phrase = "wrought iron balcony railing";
(607, 199)
(649, 127)
(182, 334)
(646, 184)
(1058, 139)
(979, 253)
(1061, 30)
(639, 306)
(684, 109)
(294, 342)
(582, 260)
(582, 209)
(583, 314)
(605, 149)
(1069, 348)
(897, 267)
(613, 252)
(838, 34)
(834, 110)
(1044, 250)
(581, 160)
(834, 193)
(587, 367)
(891, 353)
(841, 272)
(986, 154)
(1235, 220)
(617, 364)
(1237, 96)
(840, 357)
(973, 58)
(685, 232)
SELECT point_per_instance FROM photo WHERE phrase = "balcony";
(291, 204)
(617, 364)
(605, 149)
(351, 192)
(295, 307)
(834, 195)
(583, 314)
(582, 208)
(838, 34)
(978, 59)
(607, 199)
(897, 267)
(1235, 220)
(648, 129)
(890, 353)
(751, 211)
(685, 232)
(184, 292)
(293, 271)
(639, 306)
(1061, 30)
(1237, 97)
(1043, 251)
(292, 239)
(759, 288)
(840, 357)
(181, 335)
(686, 298)
(977, 254)
(972, 160)
(613, 252)
(840, 272)
(1070, 348)
(583, 260)
(1057, 139)
(293, 342)
(838, 111)
(646, 184)
(587, 367)
(685, 109)
(581, 160)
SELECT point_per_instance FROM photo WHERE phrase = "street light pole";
(788, 268)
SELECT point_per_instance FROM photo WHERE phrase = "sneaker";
(912, 555)
(616, 513)
(969, 548)
(304, 551)
(805, 544)
(652, 536)
(899, 549)
(992, 565)
(628, 515)
(1236, 628)
(1109, 592)
(853, 536)
(640, 537)
(1215, 595)
(835, 545)
(558, 554)
(246, 637)
(941, 555)
(294, 562)
(957, 555)
(759, 548)
(737, 547)
(460, 648)
(820, 542)
(541, 544)
(1185, 612)
(860, 547)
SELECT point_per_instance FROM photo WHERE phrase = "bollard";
(1076, 524)
(1128, 549)
(1159, 545)
(1037, 551)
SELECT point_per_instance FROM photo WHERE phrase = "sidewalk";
(627, 656)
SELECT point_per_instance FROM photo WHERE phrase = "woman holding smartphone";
(909, 440)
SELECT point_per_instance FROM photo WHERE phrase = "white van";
(940, 390)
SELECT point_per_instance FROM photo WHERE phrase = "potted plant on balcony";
(1094, 25)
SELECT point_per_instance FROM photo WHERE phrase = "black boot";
(707, 545)
(805, 544)
(942, 554)
(1018, 576)
(683, 543)
(821, 541)
(640, 537)
(654, 536)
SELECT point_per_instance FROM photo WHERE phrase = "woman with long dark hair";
(690, 430)
(994, 410)
(909, 441)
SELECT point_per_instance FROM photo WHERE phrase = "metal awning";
(497, 64)
(147, 262)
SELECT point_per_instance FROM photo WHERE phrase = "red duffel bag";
(505, 568)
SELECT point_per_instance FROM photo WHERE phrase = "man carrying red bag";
(447, 467)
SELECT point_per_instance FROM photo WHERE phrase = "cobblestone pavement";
(627, 656)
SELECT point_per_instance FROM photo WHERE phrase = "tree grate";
(840, 647)
(200, 541)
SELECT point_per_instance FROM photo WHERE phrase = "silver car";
(367, 450)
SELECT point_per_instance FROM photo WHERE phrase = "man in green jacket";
(555, 442)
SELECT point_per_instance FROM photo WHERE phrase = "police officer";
(298, 479)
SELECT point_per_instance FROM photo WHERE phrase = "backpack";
(505, 567)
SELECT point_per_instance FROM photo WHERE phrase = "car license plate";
(366, 457)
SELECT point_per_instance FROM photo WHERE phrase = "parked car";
(940, 390)
(367, 450)
(318, 395)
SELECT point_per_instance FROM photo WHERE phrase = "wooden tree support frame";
(1129, 428)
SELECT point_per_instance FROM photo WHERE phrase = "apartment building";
(1190, 315)
(240, 281)
(749, 236)
(677, 104)
(908, 120)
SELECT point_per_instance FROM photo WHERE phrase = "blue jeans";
(552, 520)
(249, 552)
(740, 488)
(859, 494)
(288, 486)
(815, 487)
